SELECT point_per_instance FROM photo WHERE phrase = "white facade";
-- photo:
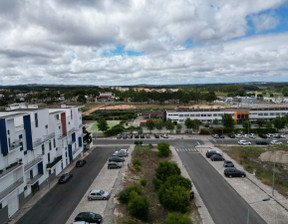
(35, 146)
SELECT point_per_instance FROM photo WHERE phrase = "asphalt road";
(223, 203)
(58, 204)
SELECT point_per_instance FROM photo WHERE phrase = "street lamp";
(48, 169)
(274, 172)
(254, 202)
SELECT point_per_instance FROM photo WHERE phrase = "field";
(94, 127)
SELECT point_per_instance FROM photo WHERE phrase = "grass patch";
(142, 149)
(94, 127)
(248, 157)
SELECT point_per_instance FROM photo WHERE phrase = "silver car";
(98, 195)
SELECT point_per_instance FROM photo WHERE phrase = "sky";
(130, 42)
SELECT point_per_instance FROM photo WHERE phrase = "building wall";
(32, 140)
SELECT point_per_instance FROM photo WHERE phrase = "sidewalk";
(251, 190)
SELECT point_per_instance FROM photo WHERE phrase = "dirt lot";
(157, 213)
(261, 160)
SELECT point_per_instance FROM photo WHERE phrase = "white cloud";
(55, 41)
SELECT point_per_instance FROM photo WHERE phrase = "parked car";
(116, 159)
(80, 163)
(209, 153)
(164, 136)
(130, 135)
(261, 143)
(244, 142)
(231, 136)
(239, 136)
(276, 142)
(282, 136)
(221, 136)
(136, 135)
(270, 135)
(215, 136)
(120, 153)
(124, 136)
(147, 135)
(89, 217)
(228, 163)
(252, 135)
(119, 136)
(216, 157)
(156, 135)
(65, 178)
(246, 136)
(114, 165)
(233, 172)
(98, 195)
(80, 222)
(277, 135)
(263, 136)
(142, 136)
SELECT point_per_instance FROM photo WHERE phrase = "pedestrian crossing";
(186, 149)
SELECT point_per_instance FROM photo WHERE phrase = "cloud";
(64, 41)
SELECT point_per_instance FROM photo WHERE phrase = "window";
(50, 146)
(20, 136)
(54, 142)
(25, 152)
(71, 114)
(36, 120)
(8, 132)
(214, 115)
(25, 188)
(48, 155)
(21, 148)
(46, 126)
(192, 115)
(43, 149)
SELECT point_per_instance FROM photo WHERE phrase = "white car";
(276, 142)
(252, 135)
(244, 142)
(270, 135)
(98, 195)
(239, 136)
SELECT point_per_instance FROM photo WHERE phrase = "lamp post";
(254, 202)
(274, 172)
(48, 169)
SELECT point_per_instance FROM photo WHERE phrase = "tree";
(260, 122)
(268, 125)
(138, 206)
(150, 124)
(166, 169)
(178, 180)
(246, 125)
(188, 123)
(227, 121)
(195, 124)
(216, 121)
(158, 123)
(179, 218)
(164, 150)
(102, 124)
(279, 123)
(169, 125)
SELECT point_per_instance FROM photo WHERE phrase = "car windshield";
(101, 192)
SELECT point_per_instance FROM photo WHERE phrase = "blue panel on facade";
(73, 137)
(28, 131)
(70, 151)
(40, 168)
(3, 137)
(80, 141)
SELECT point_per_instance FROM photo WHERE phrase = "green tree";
(215, 121)
(279, 123)
(102, 124)
(138, 206)
(195, 124)
(158, 124)
(163, 149)
(260, 122)
(268, 125)
(179, 218)
(174, 198)
(178, 180)
(188, 123)
(166, 169)
(227, 121)
(169, 125)
(246, 125)
(150, 124)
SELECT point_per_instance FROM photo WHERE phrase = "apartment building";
(206, 116)
(35, 146)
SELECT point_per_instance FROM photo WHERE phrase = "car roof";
(95, 191)
(227, 161)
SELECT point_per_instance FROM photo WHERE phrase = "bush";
(143, 182)
(164, 150)
(114, 130)
(174, 198)
(204, 132)
(166, 169)
(178, 180)
(178, 218)
(138, 206)
(124, 195)
(136, 162)
(138, 142)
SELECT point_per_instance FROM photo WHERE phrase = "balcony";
(71, 131)
(34, 179)
(45, 138)
(32, 163)
(15, 145)
(11, 188)
(11, 168)
(56, 160)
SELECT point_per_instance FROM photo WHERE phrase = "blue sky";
(112, 42)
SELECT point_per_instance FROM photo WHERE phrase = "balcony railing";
(34, 179)
(39, 141)
(32, 163)
(11, 188)
(13, 167)
(71, 131)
